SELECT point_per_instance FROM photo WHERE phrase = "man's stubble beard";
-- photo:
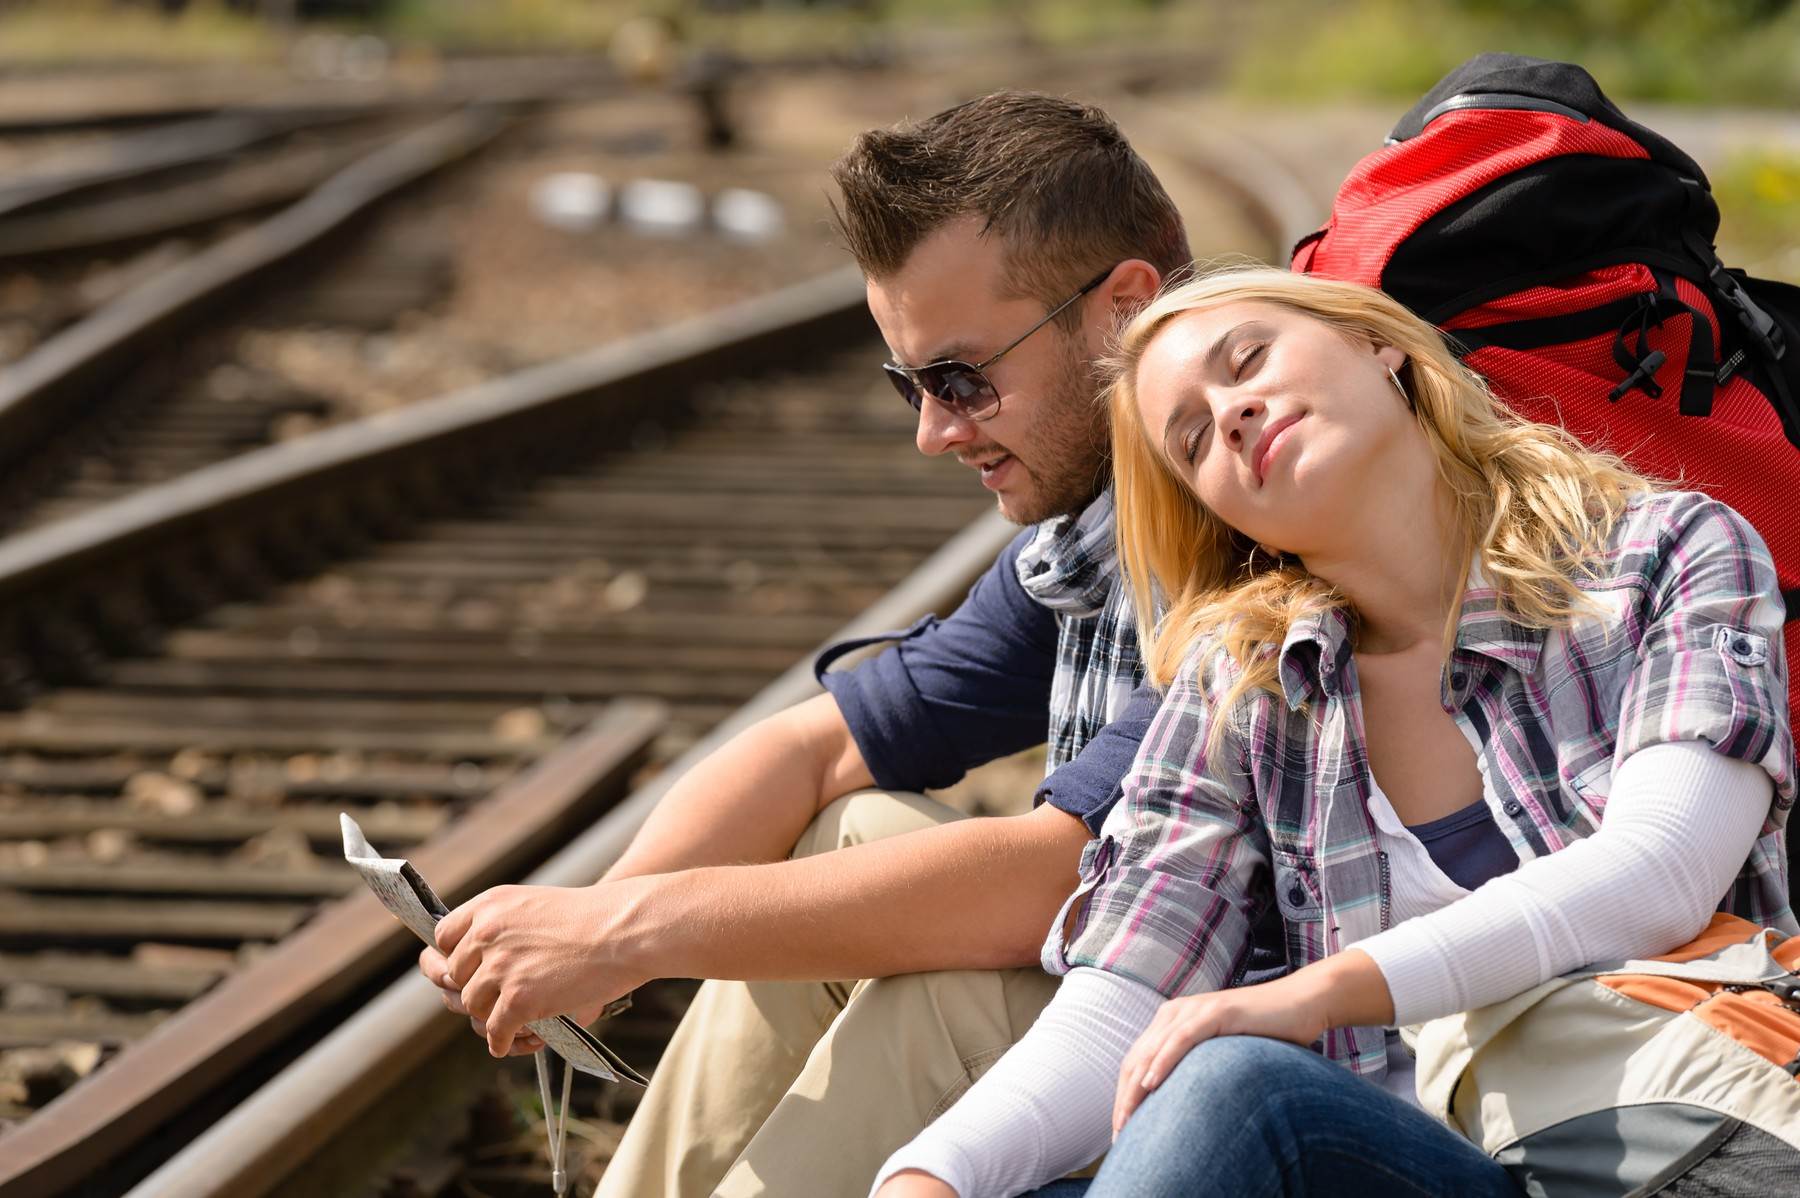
(1070, 450)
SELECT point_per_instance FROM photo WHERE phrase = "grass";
(1682, 51)
(1686, 51)
(77, 31)
(1759, 195)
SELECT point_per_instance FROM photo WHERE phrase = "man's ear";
(1130, 285)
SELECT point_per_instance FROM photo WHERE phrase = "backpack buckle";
(1760, 325)
(1757, 322)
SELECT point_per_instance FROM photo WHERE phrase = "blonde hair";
(1536, 505)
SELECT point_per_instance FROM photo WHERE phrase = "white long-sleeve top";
(1679, 825)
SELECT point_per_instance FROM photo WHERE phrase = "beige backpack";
(1624, 1078)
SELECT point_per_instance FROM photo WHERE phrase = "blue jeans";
(1246, 1117)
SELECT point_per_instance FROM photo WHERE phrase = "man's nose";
(940, 429)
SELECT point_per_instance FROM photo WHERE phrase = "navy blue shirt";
(956, 693)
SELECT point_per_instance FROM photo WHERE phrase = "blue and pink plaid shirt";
(1198, 846)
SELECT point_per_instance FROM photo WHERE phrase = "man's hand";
(911, 1183)
(515, 954)
(436, 968)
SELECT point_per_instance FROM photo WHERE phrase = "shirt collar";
(1485, 630)
(1317, 648)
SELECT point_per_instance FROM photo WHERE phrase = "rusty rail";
(39, 392)
(322, 964)
(269, 1137)
(106, 563)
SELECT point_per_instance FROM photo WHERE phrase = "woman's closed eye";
(1190, 444)
(1246, 357)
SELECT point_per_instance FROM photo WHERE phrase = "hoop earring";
(1401, 388)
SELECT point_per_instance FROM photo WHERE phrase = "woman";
(1470, 705)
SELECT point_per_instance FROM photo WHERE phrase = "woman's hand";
(911, 1183)
(1343, 989)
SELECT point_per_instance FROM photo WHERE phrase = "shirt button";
(1297, 896)
(1512, 807)
(1742, 645)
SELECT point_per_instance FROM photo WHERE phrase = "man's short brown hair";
(1055, 180)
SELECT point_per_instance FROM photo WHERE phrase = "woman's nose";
(1241, 416)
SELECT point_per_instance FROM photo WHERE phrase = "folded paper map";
(402, 891)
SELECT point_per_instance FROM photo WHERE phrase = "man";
(1002, 241)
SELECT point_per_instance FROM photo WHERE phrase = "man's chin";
(1026, 507)
(1034, 504)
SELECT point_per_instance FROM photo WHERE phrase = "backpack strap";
(1765, 335)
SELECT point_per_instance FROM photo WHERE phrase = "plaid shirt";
(1690, 649)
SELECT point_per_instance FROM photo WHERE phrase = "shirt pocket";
(1301, 901)
(1297, 888)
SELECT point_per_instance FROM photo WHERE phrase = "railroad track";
(360, 296)
(506, 568)
(106, 398)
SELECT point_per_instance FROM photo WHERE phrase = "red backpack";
(1568, 253)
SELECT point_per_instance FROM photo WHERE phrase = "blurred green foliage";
(1759, 196)
(85, 30)
(1698, 51)
(1695, 51)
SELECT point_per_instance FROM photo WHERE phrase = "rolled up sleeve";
(1711, 665)
(950, 694)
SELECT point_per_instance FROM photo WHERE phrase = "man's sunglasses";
(961, 388)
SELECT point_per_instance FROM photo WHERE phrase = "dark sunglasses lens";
(904, 386)
(961, 388)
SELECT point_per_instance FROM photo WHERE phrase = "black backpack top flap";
(1560, 83)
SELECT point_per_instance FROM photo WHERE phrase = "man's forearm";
(751, 800)
(975, 894)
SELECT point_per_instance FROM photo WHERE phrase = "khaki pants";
(803, 1089)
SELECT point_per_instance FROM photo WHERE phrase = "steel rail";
(269, 1136)
(76, 570)
(1278, 200)
(342, 948)
(142, 155)
(491, 81)
(38, 392)
(563, 406)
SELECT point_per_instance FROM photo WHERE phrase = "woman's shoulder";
(1208, 681)
(1207, 670)
(1660, 523)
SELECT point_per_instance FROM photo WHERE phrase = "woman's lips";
(1272, 439)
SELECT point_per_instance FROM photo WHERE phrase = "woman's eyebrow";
(1214, 352)
(1210, 360)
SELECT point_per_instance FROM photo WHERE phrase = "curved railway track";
(363, 295)
(104, 376)
(477, 623)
